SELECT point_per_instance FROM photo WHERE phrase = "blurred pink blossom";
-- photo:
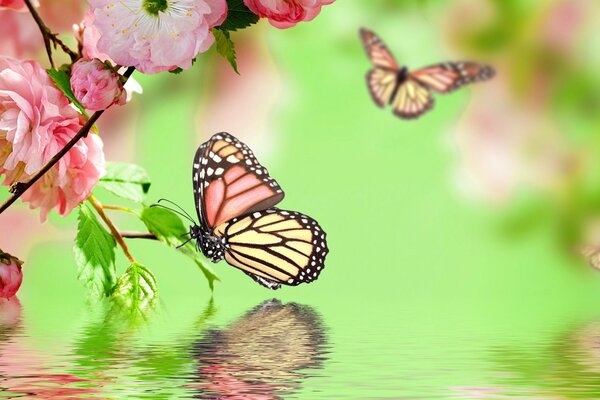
(286, 13)
(96, 85)
(11, 275)
(156, 36)
(20, 35)
(18, 5)
(36, 121)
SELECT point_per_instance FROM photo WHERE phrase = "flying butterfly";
(235, 198)
(409, 92)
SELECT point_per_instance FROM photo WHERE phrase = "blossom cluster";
(36, 117)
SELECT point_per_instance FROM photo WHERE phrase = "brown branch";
(49, 36)
(116, 208)
(98, 206)
(21, 187)
(138, 235)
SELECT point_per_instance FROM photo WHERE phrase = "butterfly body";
(235, 198)
(401, 77)
(409, 92)
(210, 245)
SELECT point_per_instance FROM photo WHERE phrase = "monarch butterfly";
(235, 198)
(409, 93)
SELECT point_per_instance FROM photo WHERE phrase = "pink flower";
(11, 275)
(286, 13)
(36, 121)
(96, 85)
(18, 5)
(88, 36)
(156, 35)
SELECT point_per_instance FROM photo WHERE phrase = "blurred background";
(459, 242)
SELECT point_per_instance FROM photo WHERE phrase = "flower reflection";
(263, 355)
(23, 371)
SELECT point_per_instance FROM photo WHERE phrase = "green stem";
(115, 232)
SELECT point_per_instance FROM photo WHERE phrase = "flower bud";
(11, 275)
(96, 85)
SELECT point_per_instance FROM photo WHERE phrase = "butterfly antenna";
(175, 211)
(184, 243)
(178, 206)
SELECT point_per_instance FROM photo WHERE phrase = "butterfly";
(409, 93)
(235, 198)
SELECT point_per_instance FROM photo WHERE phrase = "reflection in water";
(565, 367)
(263, 355)
(22, 370)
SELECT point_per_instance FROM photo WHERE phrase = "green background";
(425, 293)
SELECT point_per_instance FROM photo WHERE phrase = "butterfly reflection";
(263, 355)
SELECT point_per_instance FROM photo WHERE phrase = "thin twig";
(117, 208)
(43, 28)
(115, 232)
(49, 36)
(138, 235)
(21, 187)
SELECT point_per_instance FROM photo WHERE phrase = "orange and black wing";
(412, 100)
(382, 79)
(229, 181)
(446, 77)
(275, 246)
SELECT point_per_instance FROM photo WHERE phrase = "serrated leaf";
(94, 251)
(128, 181)
(169, 229)
(225, 47)
(136, 289)
(62, 81)
(238, 16)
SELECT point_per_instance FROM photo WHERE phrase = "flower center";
(153, 7)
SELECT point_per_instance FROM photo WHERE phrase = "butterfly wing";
(377, 51)
(229, 181)
(412, 99)
(382, 84)
(383, 78)
(446, 77)
(275, 246)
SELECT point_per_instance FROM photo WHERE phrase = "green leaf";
(136, 289)
(62, 81)
(169, 229)
(128, 181)
(166, 225)
(94, 251)
(176, 71)
(225, 47)
(238, 16)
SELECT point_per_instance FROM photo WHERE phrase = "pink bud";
(96, 85)
(11, 275)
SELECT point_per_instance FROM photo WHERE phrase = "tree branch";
(98, 206)
(49, 36)
(138, 235)
(21, 187)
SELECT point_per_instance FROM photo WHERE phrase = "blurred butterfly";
(592, 253)
(409, 93)
(235, 199)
